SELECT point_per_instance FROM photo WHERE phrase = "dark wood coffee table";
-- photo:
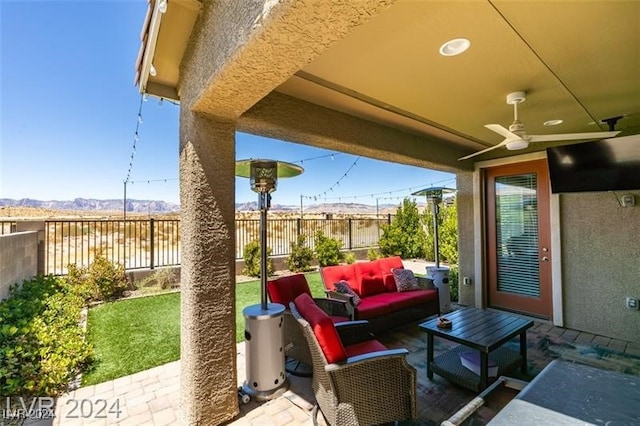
(482, 330)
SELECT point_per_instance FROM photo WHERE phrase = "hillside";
(93, 208)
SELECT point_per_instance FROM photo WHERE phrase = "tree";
(405, 235)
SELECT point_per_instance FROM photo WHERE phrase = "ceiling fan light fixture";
(516, 144)
(455, 47)
(555, 122)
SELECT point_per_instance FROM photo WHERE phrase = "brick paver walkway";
(152, 397)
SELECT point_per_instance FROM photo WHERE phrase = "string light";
(153, 180)
(316, 158)
(136, 135)
(384, 195)
(337, 183)
(136, 138)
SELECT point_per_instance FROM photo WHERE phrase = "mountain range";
(156, 206)
(142, 206)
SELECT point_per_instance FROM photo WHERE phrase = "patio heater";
(440, 276)
(263, 323)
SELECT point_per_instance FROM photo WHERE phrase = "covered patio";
(153, 396)
(378, 79)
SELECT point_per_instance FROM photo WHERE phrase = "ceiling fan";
(516, 137)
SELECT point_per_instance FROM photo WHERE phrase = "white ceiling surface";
(578, 61)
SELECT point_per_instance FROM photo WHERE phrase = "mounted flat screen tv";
(604, 165)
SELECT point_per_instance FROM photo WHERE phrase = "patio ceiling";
(577, 61)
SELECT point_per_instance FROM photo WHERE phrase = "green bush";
(448, 234)
(405, 236)
(301, 256)
(350, 257)
(252, 260)
(453, 282)
(327, 250)
(42, 348)
(101, 280)
(373, 253)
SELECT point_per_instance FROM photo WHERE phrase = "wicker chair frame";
(369, 389)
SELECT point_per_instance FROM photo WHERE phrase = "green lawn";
(138, 334)
(133, 335)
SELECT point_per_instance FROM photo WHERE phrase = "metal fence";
(151, 243)
(136, 244)
(352, 233)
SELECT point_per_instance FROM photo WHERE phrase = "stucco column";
(207, 197)
(466, 239)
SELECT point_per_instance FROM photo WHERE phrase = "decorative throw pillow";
(405, 280)
(345, 288)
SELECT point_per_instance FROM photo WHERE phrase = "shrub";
(327, 250)
(42, 348)
(448, 234)
(453, 282)
(373, 253)
(164, 278)
(252, 260)
(405, 236)
(301, 256)
(350, 257)
(101, 280)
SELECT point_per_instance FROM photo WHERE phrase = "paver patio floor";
(152, 397)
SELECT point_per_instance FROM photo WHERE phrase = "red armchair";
(356, 379)
(284, 290)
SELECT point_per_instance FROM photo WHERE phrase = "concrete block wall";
(18, 259)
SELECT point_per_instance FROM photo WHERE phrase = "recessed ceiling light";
(454, 47)
(553, 122)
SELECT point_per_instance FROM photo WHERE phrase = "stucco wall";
(18, 259)
(466, 258)
(601, 263)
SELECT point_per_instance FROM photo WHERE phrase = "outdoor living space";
(152, 396)
(546, 219)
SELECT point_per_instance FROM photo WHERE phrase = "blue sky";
(68, 114)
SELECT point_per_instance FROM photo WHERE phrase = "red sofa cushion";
(285, 289)
(322, 327)
(333, 274)
(365, 347)
(401, 300)
(386, 264)
(369, 277)
(370, 308)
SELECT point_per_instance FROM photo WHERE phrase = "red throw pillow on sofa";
(322, 327)
(369, 278)
(386, 265)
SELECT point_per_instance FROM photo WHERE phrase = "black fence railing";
(151, 243)
(352, 233)
(136, 244)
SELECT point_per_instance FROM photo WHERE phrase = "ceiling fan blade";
(501, 130)
(571, 136)
(491, 148)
